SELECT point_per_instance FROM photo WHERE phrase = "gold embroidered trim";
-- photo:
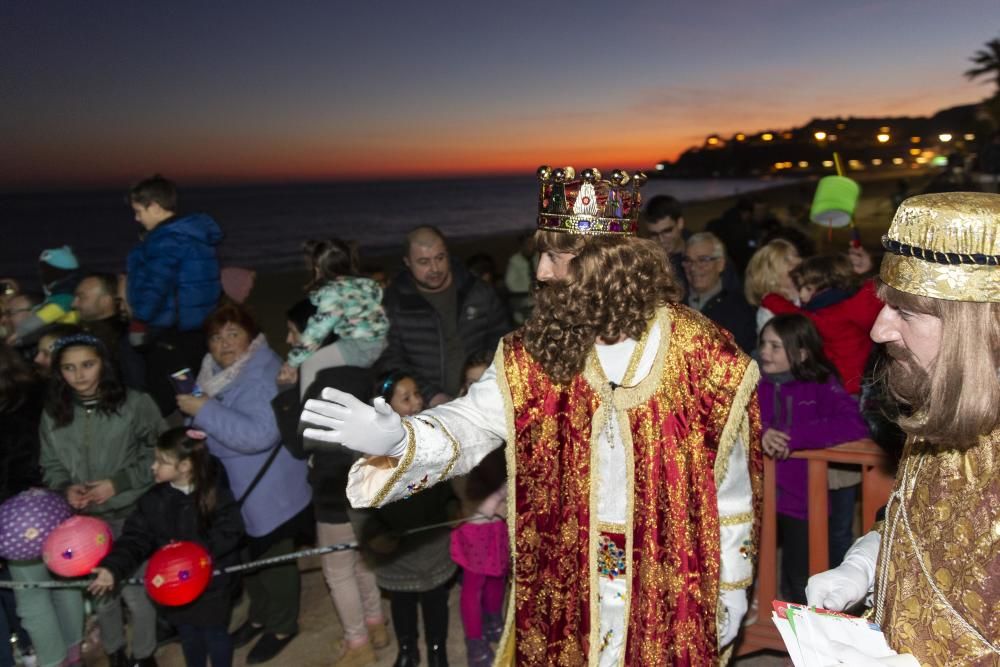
(456, 449)
(611, 527)
(736, 519)
(507, 649)
(726, 655)
(625, 427)
(597, 424)
(735, 585)
(402, 467)
(737, 423)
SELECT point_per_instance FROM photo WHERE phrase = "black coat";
(328, 468)
(19, 444)
(164, 515)
(416, 341)
(731, 311)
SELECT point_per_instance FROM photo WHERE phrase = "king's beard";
(908, 382)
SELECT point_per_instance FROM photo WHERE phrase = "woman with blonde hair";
(768, 271)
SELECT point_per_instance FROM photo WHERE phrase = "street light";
(767, 136)
(945, 137)
(970, 137)
(740, 136)
(882, 137)
(820, 135)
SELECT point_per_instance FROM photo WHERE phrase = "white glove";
(376, 431)
(734, 605)
(847, 584)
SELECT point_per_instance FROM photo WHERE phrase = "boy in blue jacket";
(173, 284)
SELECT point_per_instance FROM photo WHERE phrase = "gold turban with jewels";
(945, 246)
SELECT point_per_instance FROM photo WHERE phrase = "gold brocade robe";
(952, 504)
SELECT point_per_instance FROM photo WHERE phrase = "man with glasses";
(704, 263)
(17, 309)
(665, 225)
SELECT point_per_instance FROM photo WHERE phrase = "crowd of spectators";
(171, 343)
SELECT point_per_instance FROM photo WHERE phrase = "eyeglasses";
(704, 260)
(669, 231)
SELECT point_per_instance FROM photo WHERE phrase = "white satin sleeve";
(441, 443)
(735, 500)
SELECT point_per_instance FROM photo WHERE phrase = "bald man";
(439, 315)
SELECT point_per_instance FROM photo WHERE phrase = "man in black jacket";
(704, 263)
(439, 314)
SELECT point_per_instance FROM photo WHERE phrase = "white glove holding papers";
(847, 584)
(373, 430)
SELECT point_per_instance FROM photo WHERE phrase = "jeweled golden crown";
(589, 204)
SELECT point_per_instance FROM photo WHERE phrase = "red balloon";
(76, 546)
(178, 573)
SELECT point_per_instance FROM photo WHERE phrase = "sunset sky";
(105, 92)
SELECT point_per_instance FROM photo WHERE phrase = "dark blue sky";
(105, 92)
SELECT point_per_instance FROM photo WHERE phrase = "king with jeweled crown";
(589, 204)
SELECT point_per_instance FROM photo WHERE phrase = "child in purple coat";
(802, 406)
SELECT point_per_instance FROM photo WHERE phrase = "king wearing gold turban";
(933, 565)
(632, 437)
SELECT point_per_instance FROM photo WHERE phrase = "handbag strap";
(260, 475)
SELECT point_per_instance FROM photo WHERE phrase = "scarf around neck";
(213, 380)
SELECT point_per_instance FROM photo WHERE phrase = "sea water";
(265, 225)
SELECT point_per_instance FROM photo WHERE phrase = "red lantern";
(178, 573)
(76, 546)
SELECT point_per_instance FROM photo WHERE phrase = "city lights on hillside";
(897, 160)
(969, 137)
(820, 135)
(915, 140)
(877, 162)
(740, 136)
(882, 137)
(712, 140)
(803, 164)
(944, 137)
(660, 166)
(767, 136)
(914, 151)
(827, 163)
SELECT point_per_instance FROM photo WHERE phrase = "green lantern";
(835, 200)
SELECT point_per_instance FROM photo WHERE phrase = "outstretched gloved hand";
(847, 584)
(374, 430)
(734, 604)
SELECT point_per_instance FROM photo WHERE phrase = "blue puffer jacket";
(173, 275)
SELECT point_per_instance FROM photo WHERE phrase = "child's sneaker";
(492, 627)
(378, 634)
(355, 657)
(478, 653)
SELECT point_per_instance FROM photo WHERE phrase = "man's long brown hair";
(613, 289)
(957, 399)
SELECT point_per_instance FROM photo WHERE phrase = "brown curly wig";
(614, 287)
